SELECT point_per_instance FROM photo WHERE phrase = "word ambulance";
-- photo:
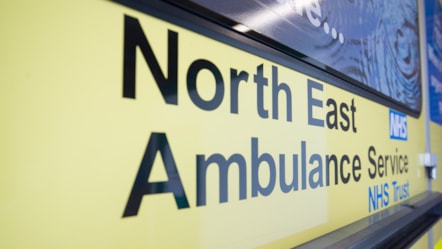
(308, 169)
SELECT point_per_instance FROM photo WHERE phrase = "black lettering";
(276, 89)
(344, 179)
(294, 184)
(141, 187)
(356, 168)
(303, 165)
(316, 171)
(332, 115)
(381, 166)
(235, 79)
(344, 109)
(334, 159)
(393, 163)
(223, 167)
(313, 102)
(257, 160)
(353, 110)
(400, 164)
(371, 151)
(134, 37)
(192, 74)
(261, 82)
(406, 163)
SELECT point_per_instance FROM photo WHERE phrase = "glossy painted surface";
(243, 153)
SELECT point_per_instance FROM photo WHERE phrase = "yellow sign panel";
(123, 130)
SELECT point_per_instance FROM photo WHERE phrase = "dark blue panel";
(434, 39)
(374, 43)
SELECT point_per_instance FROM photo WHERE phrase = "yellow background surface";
(72, 145)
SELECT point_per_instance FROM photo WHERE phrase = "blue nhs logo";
(398, 125)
